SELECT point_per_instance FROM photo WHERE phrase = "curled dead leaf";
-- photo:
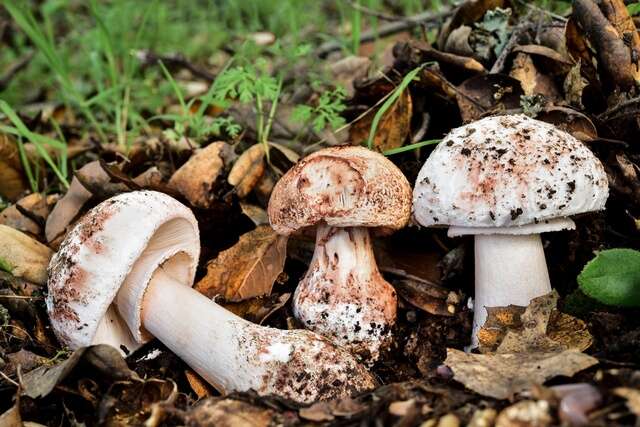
(197, 384)
(571, 121)
(532, 80)
(247, 269)
(257, 309)
(248, 170)
(536, 328)
(393, 127)
(29, 213)
(198, 178)
(70, 205)
(502, 375)
(485, 94)
(27, 258)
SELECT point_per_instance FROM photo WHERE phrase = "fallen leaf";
(12, 180)
(27, 257)
(106, 359)
(257, 214)
(229, 412)
(502, 375)
(467, 13)
(24, 359)
(549, 60)
(257, 309)
(346, 70)
(537, 328)
(197, 384)
(484, 94)
(402, 407)
(532, 80)
(425, 296)
(571, 121)
(318, 412)
(460, 62)
(393, 128)
(197, 179)
(36, 206)
(529, 413)
(247, 269)
(247, 170)
(633, 398)
(69, 206)
(327, 411)
(11, 418)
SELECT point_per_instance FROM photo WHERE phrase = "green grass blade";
(411, 147)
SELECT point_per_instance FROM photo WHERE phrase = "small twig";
(9, 379)
(425, 18)
(148, 57)
(607, 114)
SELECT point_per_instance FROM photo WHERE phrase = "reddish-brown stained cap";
(343, 186)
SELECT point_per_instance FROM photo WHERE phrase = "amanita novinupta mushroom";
(505, 180)
(140, 250)
(344, 191)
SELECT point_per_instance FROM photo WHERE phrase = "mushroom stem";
(343, 295)
(509, 269)
(236, 355)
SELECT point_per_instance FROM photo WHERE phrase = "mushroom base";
(233, 354)
(509, 269)
(343, 295)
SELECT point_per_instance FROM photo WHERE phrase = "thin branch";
(425, 19)
(148, 57)
(14, 69)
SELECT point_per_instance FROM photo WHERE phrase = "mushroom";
(344, 191)
(123, 275)
(505, 180)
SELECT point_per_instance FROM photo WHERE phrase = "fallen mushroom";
(342, 191)
(140, 250)
(505, 180)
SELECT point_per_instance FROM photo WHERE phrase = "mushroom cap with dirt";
(505, 180)
(344, 191)
(124, 274)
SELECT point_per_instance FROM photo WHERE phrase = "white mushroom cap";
(102, 252)
(508, 171)
(345, 187)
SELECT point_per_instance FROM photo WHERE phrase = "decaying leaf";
(106, 359)
(327, 411)
(425, 296)
(229, 412)
(198, 178)
(11, 418)
(571, 121)
(12, 180)
(247, 170)
(27, 257)
(532, 80)
(257, 214)
(632, 396)
(502, 375)
(483, 94)
(69, 206)
(29, 213)
(537, 328)
(197, 384)
(393, 128)
(247, 269)
(467, 13)
(257, 309)
(530, 413)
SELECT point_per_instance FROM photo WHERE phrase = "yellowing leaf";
(27, 257)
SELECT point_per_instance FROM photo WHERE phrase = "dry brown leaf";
(347, 70)
(36, 205)
(257, 309)
(69, 206)
(633, 398)
(11, 418)
(327, 411)
(27, 257)
(549, 60)
(571, 121)
(526, 413)
(257, 214)
(318, 412)
(532, 80)
(536, 328)
(248, 170)
(12, 181)
(502, 375)
(248, 269)
(197, 384)
(467, 13)
(489, 93)
(229, 412)
(198, 178)
(393, 127)
(425, 296)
